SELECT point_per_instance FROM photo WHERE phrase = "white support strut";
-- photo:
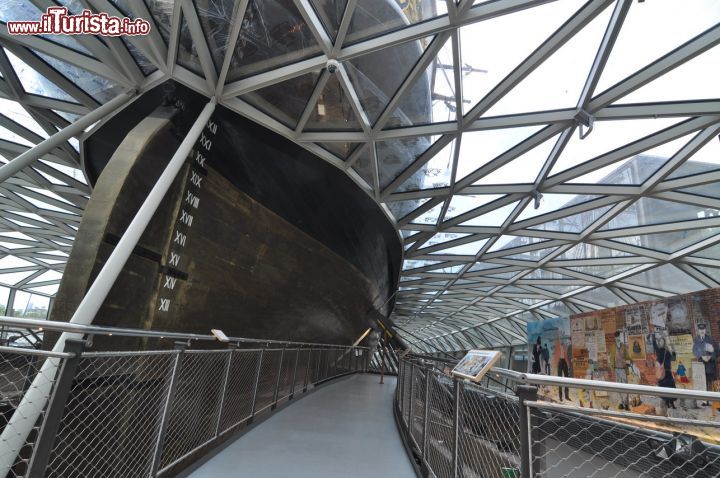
(19, 163)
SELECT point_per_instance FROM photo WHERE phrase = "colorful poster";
(550, 350)
(637, 347)
(698, 376)
(577, 327)
(682, 346)
(658, 315)
(678, 317)
(628, 344)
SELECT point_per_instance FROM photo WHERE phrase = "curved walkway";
(343, 429)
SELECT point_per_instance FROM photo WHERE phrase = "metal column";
(457, 388)
(426, 415)
(524, 393)
(257, 384)
(56, 408)
(223, 390)
(167, 409)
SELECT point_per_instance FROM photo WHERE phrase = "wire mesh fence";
(569, 441)
(146, 413)
(457, 428)
(18, 370)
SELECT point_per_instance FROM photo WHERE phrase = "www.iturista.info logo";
(56, 21)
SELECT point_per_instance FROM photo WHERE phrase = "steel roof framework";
(471, 278)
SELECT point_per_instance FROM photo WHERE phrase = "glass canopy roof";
(540, 158)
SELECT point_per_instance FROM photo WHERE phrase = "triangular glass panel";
(330, 13)
(669, 242)
(647, 211)
(406, 232)
(46, 289)
(666, 278)
(694, 80)
(99, 87)
(712, 252)
(637, 45)
(546, 275)
(70, 117)
(482, 266)
(284, 101)
(216, 22)
(162, 14)
(187, 54)
(50, 178)
(485, 65)
(145, 65)
(35, 83)
(364, 167)
(11, 262)
(7, 135)
(431, 98)
(509, 241)
(559, 289)
(372, 18)
(551, 203)
(558, 81)
(400, 209)
(711, 272)
(608, 136)
(477, 148)
(523, 169)
(707, 190)
(396, 155)
(341, 150)
(416, 264)
(434, 174)
(639, 296)
(22, 224)
(469, 249)
(503, 276)
(442, 237)
(451, 269)
(272, 34)
(590, 251)
(635, 170)
(333, 111)
(494, 218)
(47, 276)
(602, 297)
(374, 86)
(429, 217)
(460, 204)
(13, 277)
(575, 223)
(603, 271)
(705, 160)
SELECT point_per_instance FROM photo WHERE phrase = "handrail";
(129, 332)
(537, 379)
(625, 388)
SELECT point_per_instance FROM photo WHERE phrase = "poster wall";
(666, 343)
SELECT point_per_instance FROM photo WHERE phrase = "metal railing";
(457, 428)
(151, 412)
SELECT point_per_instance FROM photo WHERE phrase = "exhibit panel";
(669, 343)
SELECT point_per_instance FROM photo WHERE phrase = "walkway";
(344, 429)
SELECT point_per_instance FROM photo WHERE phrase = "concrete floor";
(344, 429)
